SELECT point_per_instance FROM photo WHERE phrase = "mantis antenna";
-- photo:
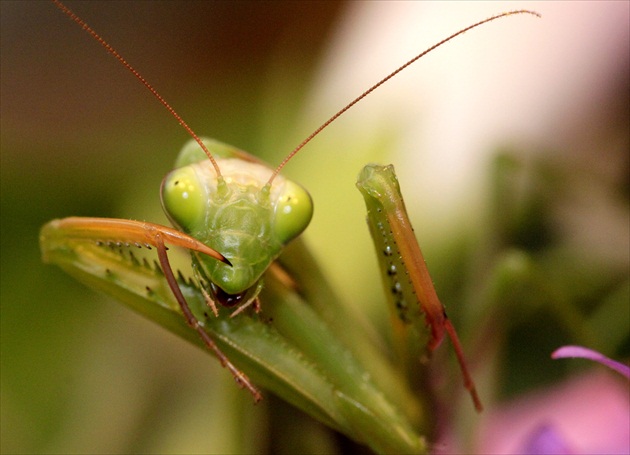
(190, 131)
(385, 79)
(133, 71)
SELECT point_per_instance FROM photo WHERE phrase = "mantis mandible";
(236, 215)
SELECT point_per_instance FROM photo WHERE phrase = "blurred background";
(80, 136)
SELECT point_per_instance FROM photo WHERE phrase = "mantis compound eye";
(293, 212)
(184, 198)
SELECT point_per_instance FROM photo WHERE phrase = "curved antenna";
(133, 71)
(385, 79)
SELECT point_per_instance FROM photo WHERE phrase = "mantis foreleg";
(142, 234)
(405, 274)
(138, 233)
(240, 377)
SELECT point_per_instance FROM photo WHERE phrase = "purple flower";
(546, 439)
(585, 353)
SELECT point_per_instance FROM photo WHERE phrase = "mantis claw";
(112, 230)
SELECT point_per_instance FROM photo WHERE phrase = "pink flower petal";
(590, 413)
(585, 353)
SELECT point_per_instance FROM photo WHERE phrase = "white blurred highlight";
(521, 81)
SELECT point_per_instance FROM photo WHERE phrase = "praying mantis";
(263, 317)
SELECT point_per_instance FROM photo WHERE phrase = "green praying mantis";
(253, 295)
